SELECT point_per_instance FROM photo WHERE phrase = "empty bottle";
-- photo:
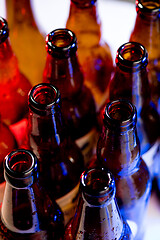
(147, 32)
(63, 71)
(93, 52)
(27, 212)
(97, 215)
(13, 84)
(27, 41)
(118, 150)
(61, 160)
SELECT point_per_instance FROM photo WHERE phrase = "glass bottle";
(93, 52)
(27, 41)
(27, 212)
(97, 215)
(118, 150)
(61, 160)
(63, 71)
(147, 31)
(7, 144)
(14, 86)
(130, 81)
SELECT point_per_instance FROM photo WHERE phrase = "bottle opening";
(4, 32)
(148, 6)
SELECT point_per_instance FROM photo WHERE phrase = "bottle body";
(24, 196)
(23, 32)
(93, 53)
(118, 150)
(62, 70)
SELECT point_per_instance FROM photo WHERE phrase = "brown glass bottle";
(118, 150)
(97, 216)
(63, 71)
(93, 52)
(26, 39)
(61, 161)
(27, 212)
(130, 81)
(147, 32)
(14, 86)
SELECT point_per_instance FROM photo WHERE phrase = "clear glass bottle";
(97, 215)
(27, 212)
(61, 160)
(14, 86)
(147, 32)
(118, 150)
(93, 52)
(27, 41)
(63, 71)
(130, 81)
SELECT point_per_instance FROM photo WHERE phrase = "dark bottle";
(93, 52)
(61, 160)
(118, 150)
(7, 144)
(97, 215)
(147, 31)
(63, 71)
(14, 86)
(27, 212)
(27, 41)
(130, 81)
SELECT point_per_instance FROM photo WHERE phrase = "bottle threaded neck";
(4, 31)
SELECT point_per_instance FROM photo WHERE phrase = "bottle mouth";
(43, 97)
(20, 168)
(120, 114)
(98, 186)
(148, 6)
(4, 31)
(61, 43)
(132, 55)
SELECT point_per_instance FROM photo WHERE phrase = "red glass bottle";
(118, 150)
(14, 86)
(61, 161)
(63, 71)
(97, 215)
(27, 212)
(147, 32)
(93, 52)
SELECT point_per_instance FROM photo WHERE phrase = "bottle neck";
(148, 10)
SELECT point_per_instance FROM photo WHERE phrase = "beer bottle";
(93, 52)
(130, 81)
(27, 41)
(147, 32)
(61, 160)
(14, 86)
(27, 212)
(97, 215)
(118, 150)
(63, 71)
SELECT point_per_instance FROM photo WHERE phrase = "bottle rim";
(61, 43)
(4, 31)
(84, 3)
(154, 8)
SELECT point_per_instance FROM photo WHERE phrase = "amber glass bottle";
(118, 150)
(147, 32)
(26, 39)
(61, 161)
(94, 54)
(97, 215)
(130, 81)
(27, 212)
(14, 86)
(63, 71)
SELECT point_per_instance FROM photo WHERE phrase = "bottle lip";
(4, 31)
(43, 97)
(21, 168)
(84, 3)
(148, 6)
(97, 185)
(120, 114)
(132, 55)
(61, 43)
